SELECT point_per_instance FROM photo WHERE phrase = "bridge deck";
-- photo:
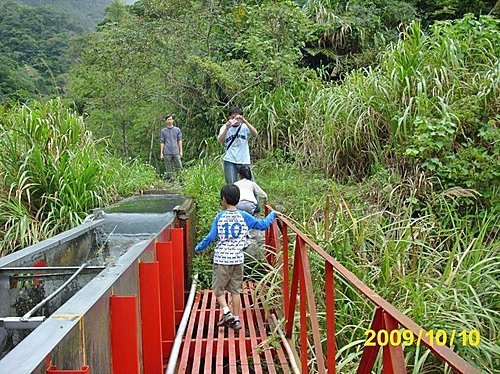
(209, 349)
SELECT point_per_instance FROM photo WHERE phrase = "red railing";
(386, 316)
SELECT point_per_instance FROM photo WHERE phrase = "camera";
(234, 122)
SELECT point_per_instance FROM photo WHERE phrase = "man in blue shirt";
(234, 134)
(231, 227)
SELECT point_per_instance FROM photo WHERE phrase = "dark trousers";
(172, 162)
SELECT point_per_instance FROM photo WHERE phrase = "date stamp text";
(407, 338)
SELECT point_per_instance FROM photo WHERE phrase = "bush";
(53, 173)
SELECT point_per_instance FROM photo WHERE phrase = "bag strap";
(233, 139)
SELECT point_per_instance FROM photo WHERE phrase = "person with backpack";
(234, 134)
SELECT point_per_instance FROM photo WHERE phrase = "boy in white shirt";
(230, 227)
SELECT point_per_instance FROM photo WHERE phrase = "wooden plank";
(210, 333)
(219, 362)
(262, 328)
(242, 340)
(188, 337)
(199, 334)
(232, 350)
(251, 330)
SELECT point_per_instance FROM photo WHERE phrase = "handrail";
(174, 354)
(386, 317)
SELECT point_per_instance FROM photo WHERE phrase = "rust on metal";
(227, 351)
(393, 315)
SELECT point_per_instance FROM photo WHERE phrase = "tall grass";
(203, 182)
(53, 172)
(437, 265)
(446, 80)
(431, 260)
(421, 131)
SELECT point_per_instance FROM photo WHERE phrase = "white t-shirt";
(238, 153)
(231, 227)
(248, 189)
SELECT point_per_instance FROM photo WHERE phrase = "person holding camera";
(235, 134)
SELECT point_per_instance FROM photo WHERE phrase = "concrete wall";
(69, 248)
(78, 333)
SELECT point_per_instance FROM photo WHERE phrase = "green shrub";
(53, 173)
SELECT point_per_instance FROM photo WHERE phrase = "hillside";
(35, 40)
(86, 13)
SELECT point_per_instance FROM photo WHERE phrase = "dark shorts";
(227, 278)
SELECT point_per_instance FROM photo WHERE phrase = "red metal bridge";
(205, 348)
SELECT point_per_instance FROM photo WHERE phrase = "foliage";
(123, 105)
(433, 10)
(428, 258)
(349, 34)
(35, 40)
(15, 82)
(423, 101)
(130, 176)
(87, 14)
(438, 268)
(34, 44)
(53, 173)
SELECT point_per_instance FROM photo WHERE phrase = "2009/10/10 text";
(407, 338)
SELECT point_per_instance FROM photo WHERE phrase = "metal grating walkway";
(210, 349)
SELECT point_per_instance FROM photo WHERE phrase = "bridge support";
(124, 337)
(392, 357)
(149, 277)
(177, 235)
(164, 254)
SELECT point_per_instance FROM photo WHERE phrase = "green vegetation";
(34, 45)
(52, 173)
(272, 57)
(417, 138)
(438, 265)
(386, 109)
(87, 13)
(36, 37)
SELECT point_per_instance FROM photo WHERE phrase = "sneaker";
(236, 325)
(226, 320)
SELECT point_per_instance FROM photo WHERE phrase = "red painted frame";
(386, 316)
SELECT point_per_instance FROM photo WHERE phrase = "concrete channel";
(55, 295)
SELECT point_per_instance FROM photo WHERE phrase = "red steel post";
(330, 317)
(177, 235)
(149, 277)
(311, 306)
(286, 285)
(293, 293)
(164, 256)
(370, 352)
(124, 337)
(392, 356)
(303, 311)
